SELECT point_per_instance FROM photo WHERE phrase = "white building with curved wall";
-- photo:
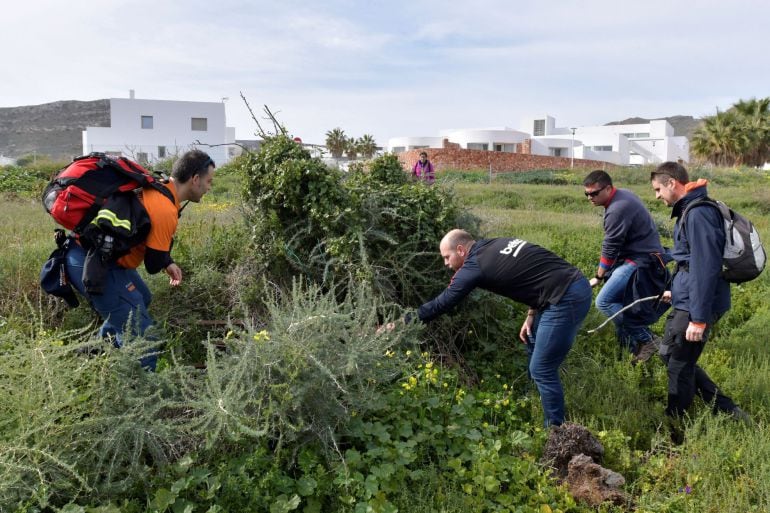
(401, 144)
(490, 139)
(637, 144)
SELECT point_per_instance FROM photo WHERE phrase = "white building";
(149, 130)
(494, 139)
(645, 143)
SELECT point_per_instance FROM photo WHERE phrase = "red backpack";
(80, 190)
(96, 197)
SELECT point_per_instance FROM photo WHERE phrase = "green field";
(366, 423)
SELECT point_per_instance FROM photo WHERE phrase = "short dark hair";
(668, 171)
(423, 153)
(599, 177)
(191, 163)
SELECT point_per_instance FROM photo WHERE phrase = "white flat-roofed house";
(635, 144)
(151, 130)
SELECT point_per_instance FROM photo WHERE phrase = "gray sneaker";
(741, 416)
(645, 350)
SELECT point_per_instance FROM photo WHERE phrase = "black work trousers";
(685, 377)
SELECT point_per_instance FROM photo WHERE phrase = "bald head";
(456, 237)
(454, 248)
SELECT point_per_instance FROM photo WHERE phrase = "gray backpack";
(744, 256)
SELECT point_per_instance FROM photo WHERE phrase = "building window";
(141, 157)
(558, 152)
(161, 152)
(147, 122)
(637, 135)
(505, 148)
(478, 146)
(601, 148)
(539, 128)
(200, 124)
(398, 149)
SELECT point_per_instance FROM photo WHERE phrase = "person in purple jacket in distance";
(423, 169)
(556, 292)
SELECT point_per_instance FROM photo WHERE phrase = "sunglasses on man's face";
(595, 193)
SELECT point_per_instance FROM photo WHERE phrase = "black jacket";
(513, 268)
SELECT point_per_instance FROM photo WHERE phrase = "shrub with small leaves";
(372, 225)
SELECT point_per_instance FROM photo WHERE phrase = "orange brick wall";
(501, 162)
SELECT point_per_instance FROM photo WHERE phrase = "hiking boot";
(645, 350)
(741, 416)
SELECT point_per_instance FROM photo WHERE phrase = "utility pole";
(572, 150)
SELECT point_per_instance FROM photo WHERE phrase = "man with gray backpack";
(700, 291)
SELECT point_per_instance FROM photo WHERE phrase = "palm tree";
(718, 139)
(755, 116)
(336, 142)
(351, 148)
(367, 146)
(739, 136)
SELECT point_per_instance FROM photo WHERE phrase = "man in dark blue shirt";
(557, 294)
(631, 263)
(699, 295)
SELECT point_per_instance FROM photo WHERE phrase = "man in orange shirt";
(125, 296)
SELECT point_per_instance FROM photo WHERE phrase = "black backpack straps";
(724, 211)
(693, 204)
(162, 189)
(183, 207)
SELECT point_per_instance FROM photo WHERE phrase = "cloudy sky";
(393, 68)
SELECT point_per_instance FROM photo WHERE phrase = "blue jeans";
(609, 301)
(554, 332)
(122, 306)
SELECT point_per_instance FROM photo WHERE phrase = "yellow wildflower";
(261, 335)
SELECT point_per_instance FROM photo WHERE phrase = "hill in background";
(52, 129)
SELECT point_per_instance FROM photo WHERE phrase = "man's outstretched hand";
(175, 275)
(386, 327)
